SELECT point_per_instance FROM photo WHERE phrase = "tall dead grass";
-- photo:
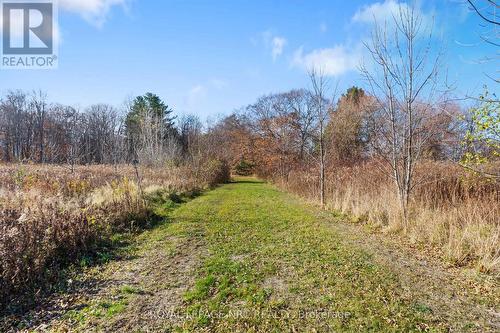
(453, 211)
(50, 216)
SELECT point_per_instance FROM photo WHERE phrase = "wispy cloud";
(332, 61)
(93, 11)
(278, 44)
(273, 42)
(385, 12)
(378, 11)
(198, 94)
(342, 58)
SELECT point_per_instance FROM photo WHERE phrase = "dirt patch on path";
(142, 292)
(165, 277)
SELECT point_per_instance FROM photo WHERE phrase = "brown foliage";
(49, 216)
(348, 133)
(451, 210)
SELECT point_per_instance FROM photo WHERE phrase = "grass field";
(249, 258)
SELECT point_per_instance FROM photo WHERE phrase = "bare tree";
(488, 10)
(403, 80)
(15, 126)
(38, 103)
(72, 123)
(32, 129)
(301, 104)
(190, 128)
(322, 108)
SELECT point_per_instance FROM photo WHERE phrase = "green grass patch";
(101, 309)
(274, 266)
(130, 290)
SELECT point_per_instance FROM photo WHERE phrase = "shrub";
(216, 172)
(244, 168)
(50, 217)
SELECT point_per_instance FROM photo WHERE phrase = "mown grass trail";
(274, 265)
(247, 257)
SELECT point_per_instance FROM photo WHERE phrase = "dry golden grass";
(50, 216)
(452, 211)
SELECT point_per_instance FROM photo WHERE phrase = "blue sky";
(211, 57)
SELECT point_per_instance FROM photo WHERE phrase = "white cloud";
(378, 11)
(273, 42)
(278, 44)
(93, 11)
(196, 91)
(385, 12)
(332, 61)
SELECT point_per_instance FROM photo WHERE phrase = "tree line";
(402, 116)
(34, 130)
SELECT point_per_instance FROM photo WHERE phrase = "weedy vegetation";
(52, 217)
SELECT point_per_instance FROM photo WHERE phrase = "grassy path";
(275, 266)
(249, 258)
